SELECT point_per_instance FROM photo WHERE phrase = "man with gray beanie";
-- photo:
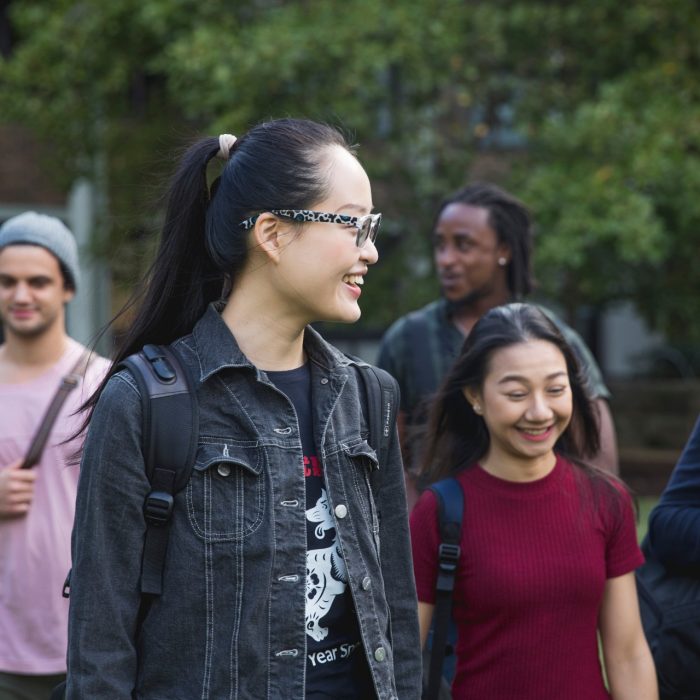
(39, 275)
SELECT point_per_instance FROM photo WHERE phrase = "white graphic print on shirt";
(326, 576)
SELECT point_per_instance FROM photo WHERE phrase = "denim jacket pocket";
(226, 492)
(364, 467)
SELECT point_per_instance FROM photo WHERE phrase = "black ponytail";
(182, 280)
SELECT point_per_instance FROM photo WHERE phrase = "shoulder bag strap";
(68, 383)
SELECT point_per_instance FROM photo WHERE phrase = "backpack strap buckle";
(448, 557)
(158, 508)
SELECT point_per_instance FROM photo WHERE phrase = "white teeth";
(535, 432)
(354, 279)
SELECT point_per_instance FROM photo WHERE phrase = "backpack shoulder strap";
(170, 432)
(450, 499)
(382, 393)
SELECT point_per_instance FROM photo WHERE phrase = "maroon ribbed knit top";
(535, 558)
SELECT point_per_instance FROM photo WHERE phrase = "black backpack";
(171, 428)
(669, 603)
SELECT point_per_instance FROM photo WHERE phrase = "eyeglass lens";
(368, 229)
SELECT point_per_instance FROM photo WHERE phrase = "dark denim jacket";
(230, 621)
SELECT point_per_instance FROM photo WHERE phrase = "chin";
(452, 296)
(345, 316)
(463, 299)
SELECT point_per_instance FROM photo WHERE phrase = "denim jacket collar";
(216, 347)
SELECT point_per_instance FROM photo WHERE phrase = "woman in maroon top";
(548, 545)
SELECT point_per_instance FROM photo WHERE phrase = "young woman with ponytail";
(276, 582)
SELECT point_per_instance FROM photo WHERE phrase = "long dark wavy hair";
(279, 164)
(456, 437)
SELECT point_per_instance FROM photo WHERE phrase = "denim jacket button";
(366, 583)
(324, 380)
(341, 511)
(379, 654)
(224, 469)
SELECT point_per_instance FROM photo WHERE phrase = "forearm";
(425, 620)
(634, 677)
(628, 661)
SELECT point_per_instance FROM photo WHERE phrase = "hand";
(16, 490)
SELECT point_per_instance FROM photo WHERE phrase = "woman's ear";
(266, 236)
(470, 395)
(473, 398)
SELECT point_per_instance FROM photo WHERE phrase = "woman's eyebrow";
(521, 378)
(356, 207)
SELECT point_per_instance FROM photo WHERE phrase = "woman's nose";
(539, 409)
(369, 253)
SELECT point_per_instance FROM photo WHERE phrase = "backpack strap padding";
(450, 500)
(382, 392)
(170, 432)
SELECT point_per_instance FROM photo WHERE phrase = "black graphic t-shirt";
(336, 666)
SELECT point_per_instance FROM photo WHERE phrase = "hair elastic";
(226, 142)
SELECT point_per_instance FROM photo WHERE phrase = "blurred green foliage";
(588, 110)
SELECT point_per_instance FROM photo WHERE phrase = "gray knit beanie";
(48, 232)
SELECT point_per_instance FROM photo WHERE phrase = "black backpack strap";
(450, 499)
(382, 393)
(170, 432)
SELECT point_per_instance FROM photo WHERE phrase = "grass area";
(645, 504)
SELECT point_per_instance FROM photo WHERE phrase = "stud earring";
(477, 409)
(502, 261)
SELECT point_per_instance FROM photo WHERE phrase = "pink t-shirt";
(35, 549)
(534, 561)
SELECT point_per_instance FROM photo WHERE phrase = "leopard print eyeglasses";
(367, 226)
